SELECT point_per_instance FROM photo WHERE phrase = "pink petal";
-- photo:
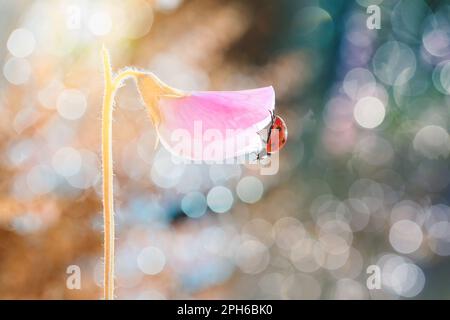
(215, 125)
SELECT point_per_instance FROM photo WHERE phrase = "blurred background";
(363, 180)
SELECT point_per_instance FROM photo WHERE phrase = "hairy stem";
(111, 86)
(156, 88)
(108, 195)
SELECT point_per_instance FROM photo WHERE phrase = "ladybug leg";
(263, 158)
(271, 125)
(268, 134)
(263, 154)
(272, 115)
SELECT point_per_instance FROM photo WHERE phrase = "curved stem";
(111, 86)
(125, 74)
(107, 173)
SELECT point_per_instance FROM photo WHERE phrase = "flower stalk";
(111, 86)
(107, 174)
(154, 89)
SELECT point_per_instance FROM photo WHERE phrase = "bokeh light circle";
(369, 112)
(405, 236)
(194, 205)
(220, 199)
(359, 82)
(66, 161)
(407, 280)
(21, 43)
(432, 142)
(100, 23)
(17, 71)
(71, 104)
(252, 257)
(41, 179)
(250, 189)
(151, 260)
(445, 77)
(394, 63)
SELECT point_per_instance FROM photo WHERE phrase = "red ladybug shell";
(278, 128)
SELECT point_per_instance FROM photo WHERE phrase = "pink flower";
(208, 125)
(194, 125)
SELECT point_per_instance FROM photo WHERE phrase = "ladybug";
(273, 143)
(278, 127)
